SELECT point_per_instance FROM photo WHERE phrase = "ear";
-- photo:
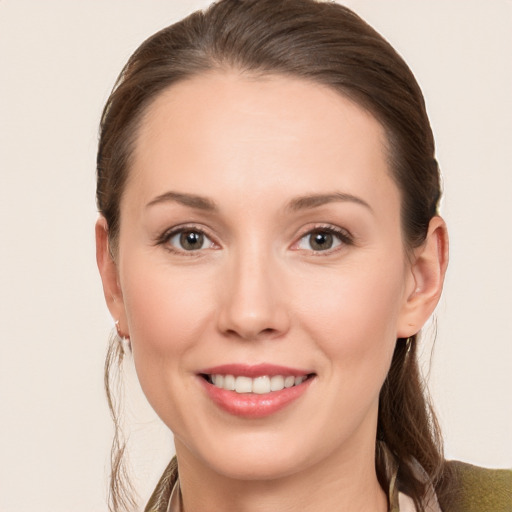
(109, 275)
(426, 278)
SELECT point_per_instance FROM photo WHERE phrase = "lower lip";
(252, 405)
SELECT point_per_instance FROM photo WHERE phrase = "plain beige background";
(58, 61)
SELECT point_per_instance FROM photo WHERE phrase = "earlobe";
(428, 269)
(108, 272)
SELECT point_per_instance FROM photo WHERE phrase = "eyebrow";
(316, 200)
(296, 204)
(190, 200)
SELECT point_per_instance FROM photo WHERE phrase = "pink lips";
(252, 405)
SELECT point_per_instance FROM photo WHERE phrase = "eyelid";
(167, 234)
(344, 236)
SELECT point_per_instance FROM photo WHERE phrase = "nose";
(253, 305)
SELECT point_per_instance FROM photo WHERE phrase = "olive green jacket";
(472, 489)
(475, 489)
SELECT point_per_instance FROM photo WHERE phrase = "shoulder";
(475, 489)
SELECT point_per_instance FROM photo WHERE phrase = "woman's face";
(260, 238)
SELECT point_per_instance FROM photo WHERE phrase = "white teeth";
(276, 383)
(259, 385)
(229, 382)
(243, 385)
(218, 380)
(289, 381)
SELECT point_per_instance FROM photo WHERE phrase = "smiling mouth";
(260, 385)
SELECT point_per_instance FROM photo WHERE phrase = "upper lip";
(256, 370)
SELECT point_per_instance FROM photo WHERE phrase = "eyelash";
(166, 236)
(344, 238)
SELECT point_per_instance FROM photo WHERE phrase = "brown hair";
(326, 43)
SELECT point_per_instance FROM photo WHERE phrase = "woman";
(270, 246)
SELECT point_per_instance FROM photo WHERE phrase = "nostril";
(252, 335)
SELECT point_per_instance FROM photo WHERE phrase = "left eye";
(189, 240)
(320, 240)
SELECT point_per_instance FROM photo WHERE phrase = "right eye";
(188, 240)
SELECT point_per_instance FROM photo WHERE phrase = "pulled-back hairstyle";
(324, 43)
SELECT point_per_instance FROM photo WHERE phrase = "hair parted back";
(325, 43)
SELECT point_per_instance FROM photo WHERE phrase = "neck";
(345, 481)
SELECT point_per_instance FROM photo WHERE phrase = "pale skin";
(255, 165)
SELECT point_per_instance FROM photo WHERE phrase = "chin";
(260, 467)
(255, 456)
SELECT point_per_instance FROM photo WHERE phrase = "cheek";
(167, 313)
(353, 316)
(165, 307)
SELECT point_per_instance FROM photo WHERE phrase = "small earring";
(408, 343)
(124, 340)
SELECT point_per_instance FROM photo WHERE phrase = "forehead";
(251, 134)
